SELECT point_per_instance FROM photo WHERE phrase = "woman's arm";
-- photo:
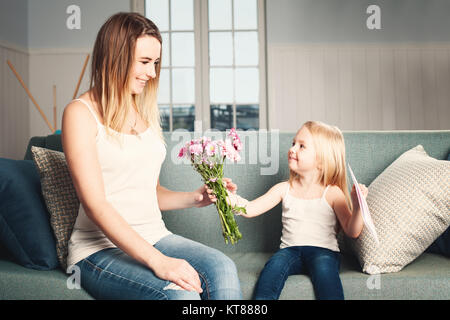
(262, 204)
(79, 131)
(174, 200)
(351, 221)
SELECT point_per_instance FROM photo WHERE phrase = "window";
(176, 99)
(213, 63)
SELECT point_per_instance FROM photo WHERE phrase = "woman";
(114, 148)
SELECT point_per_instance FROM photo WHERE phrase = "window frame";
(202, 67)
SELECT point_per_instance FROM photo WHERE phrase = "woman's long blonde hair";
(330, 152)
(112, 60)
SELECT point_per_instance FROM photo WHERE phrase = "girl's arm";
(79, 130)
(351, 221)
(262, 204)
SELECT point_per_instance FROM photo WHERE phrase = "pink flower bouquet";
(207, 157)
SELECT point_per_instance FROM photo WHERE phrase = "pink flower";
(236, 156)
(237, 144)
(219, 147)
(182, 152)
(230, 152)
(196, 149)
(227, 148)
(208, 159)
(205, 141)
(211, 149)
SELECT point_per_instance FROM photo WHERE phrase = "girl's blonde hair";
(112, 60)
(330, 152)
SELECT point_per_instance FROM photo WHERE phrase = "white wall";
(34, 36)
(14, 115)
(343, 21)
(360, 87)
(324, 64)
(57, 54)
(48, 68)
(14, 23)
(47, 22)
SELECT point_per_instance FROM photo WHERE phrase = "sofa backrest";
(263, 164)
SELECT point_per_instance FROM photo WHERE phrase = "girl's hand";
(231, 187)
(354, 196)
(204, 196)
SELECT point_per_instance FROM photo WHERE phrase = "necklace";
(133, 127)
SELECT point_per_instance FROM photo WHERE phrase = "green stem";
(230, 230)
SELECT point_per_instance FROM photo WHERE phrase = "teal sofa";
(263, 165)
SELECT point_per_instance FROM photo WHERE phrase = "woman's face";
(146, 57)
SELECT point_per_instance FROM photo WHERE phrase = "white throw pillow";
(410, 207)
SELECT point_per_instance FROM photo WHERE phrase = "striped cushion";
(60, 196)
(410, 207)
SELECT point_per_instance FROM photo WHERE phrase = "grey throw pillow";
(59, 195)
(410, 207)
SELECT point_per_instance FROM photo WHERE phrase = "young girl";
(114, 148)
(315, 202)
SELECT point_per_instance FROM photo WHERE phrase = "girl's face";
(146, 57)
(302, 154)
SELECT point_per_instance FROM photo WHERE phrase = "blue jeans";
(321, 264)
(112, 274)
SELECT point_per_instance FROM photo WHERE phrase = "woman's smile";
(142, 82)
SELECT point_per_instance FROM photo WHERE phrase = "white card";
(364, 208)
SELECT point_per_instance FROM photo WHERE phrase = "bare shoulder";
(78, 119)
(280, 188)
(76, 109)
(334, 189)
(334, 194)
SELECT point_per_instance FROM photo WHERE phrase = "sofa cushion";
(410, 208)
(18, 283)
(442, 244)
(25, 230)
(60, 196)
(428, 277)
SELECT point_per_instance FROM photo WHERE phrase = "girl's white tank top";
(308, 222)
(130, 171)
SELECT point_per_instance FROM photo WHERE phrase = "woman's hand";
(178, 271)
(204, 196)
(354, 196)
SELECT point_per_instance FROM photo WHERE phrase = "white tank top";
(308, 222)
(130, 173)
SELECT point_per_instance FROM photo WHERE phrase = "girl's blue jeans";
(321, 264)
(112, 274)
